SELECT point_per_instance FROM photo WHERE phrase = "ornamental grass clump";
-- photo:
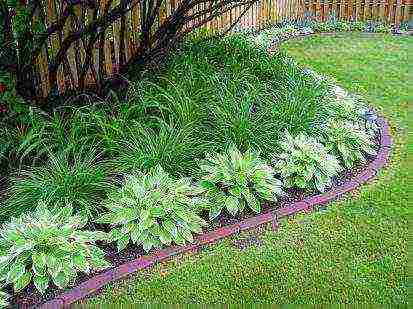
(348, 142)
(305, 163)
(48, 246)
(152, 210)
(235, 180)
(79, 179)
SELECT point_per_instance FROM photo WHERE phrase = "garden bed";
(133, 257)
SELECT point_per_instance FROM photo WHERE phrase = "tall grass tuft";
(78, 178)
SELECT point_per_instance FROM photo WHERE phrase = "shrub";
(348, 142)
(79, 179)
(47, 245)
(233, 180)
(358, 26)
(322, 26)
(341, 26)
(382, 28)
(305, 163)
(152, 210)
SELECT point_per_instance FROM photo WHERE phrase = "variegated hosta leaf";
(46, 245)
(162, 212)
(234, 179)
(349, 141)
(305, 163)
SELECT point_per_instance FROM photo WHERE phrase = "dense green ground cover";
(353, 251)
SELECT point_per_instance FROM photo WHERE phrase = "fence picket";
(121, 39)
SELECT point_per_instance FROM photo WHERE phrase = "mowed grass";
(354, 251)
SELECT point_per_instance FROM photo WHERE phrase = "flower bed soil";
(133, 258)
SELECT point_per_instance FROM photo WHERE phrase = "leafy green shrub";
(358, 26)
(46, 246)
(79, 179)
(382, 28)
(348, 142)
(152, 210)
(322, 26)
(341, 26)
(305, 163)
(233, 180)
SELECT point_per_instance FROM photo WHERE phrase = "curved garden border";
(97, 282)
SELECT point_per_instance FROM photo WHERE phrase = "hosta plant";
(233, 180)
(152, 210)
(348, 142)
(305, 163)
(47, 246)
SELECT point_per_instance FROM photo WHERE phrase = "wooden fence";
(389, 11)
(121, 37)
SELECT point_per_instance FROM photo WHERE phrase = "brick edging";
(97, 282)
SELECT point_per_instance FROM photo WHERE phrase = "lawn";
(353, 251)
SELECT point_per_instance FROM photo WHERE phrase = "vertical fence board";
(259, 15)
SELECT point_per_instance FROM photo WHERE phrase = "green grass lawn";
(354, 251)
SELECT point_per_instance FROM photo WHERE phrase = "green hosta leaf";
(23, 281)
(215, 211)
(144, 215)
(165, 237)
(252, 201)
(158, 212)
(301, 182)
(148, 223)
(39, 263)
(147, 244)
(53, 265)
(115, 235)
(187, 235)
(195, 227)
(41, 283)
(232, 205)
(80, 262)
(15, 272)
(136, 236)
(182, 215)
(62, 279)
(197, 219)
(99, 263)
(122, 242)
(179, 239)
(169, 226)
(155, 230)
(236, 191)
(96, 252)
